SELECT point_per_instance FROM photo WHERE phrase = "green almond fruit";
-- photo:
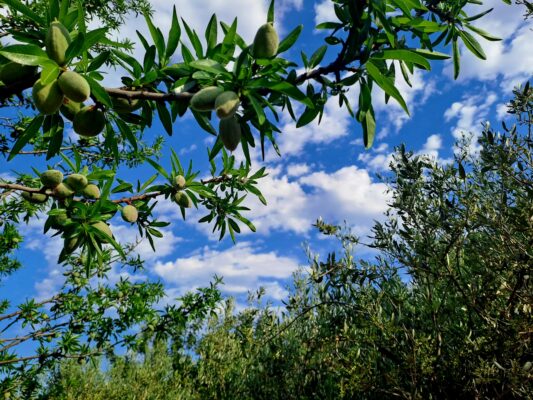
(130, 213)
(57, 221)
(62, 191)
(266, 42)
(183, 200)
(57, 41)
(91, 191)
(103, 227)
(76, 182)
(71, 244)
(13, 72)
(89, 121)
(51, 178)
(180, 182)
(70, 108)
(227, 104)
(204, 100)
(36, 198)
(74, 86)
(125, 106)
(230, 133)
(47, 98)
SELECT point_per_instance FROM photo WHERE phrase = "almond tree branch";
(11, 187)
(9, 90)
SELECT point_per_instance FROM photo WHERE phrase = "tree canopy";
(53, 77)
(443, 311)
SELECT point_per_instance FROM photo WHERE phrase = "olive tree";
(442, 311)
(52, 74)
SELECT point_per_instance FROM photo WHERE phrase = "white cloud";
(469, 113)
(376, 162)
(244, 267)
(295, 170)
(432, 146)
(348, 194)
(502, 111)
(187, 150)
(324, 12)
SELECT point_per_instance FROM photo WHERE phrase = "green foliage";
(52, 41)
(443, 311)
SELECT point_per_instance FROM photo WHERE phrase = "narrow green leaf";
(136, 66)
(291, 38)
(53, 9)
(270, 14)
(308, 116)
(98, 61)
(99, 92)
(261, 117)
(157, 36)
(456, 59)
(149, 59)
(477, 16)
(385, 83)
(125, 130)
(25, 54)
(186, 53)
(369, 128)
(211, 32)
(472, 44)
(403, 55)
(49, 73)
(25, 10)
(164, 116)
(329, 25)
(210, 66)
(317, 56)
(29, 133)
(432, 55)
(93, 37)
(195, 40)
(216, 148)
(286, 88)
(174, 34)
(76, 47)
(158, 168)
(483, 33)
(56, 140)
(204, 122)
(63, 10)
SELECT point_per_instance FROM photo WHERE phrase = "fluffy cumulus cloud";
(469, 113)
(377, 159)
(243, 267)
(432, 146)
(296, 170)
(511, 58)
(294, 203)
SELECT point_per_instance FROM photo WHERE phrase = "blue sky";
(324, 170)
